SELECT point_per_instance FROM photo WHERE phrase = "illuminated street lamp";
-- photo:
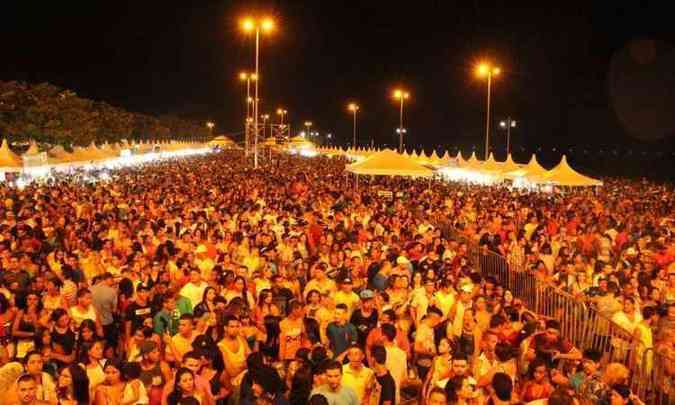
(257, 25)
(281, 113)
(210, 126)
(401, 95)
(353, 107)
(308, 124)
(487, 70)
(508, 124)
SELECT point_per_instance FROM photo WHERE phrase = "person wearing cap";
(203, 262)
(365, 317)
(403, 266)
(347, 296)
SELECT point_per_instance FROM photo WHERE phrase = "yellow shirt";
(235, 362)
(360, 381)
(445, 301)
(182, 345)
(205, 267)
(350, 299)
(324, 287)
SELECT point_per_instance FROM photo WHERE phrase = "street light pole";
(355, 110)
(247, 77)
(508, 136)
(353, 107)
(400, 95)
(400, 127)
(281, 112)
(250, 25)
(487, 116)
(508, 124)
(486, 70)
(255, 101)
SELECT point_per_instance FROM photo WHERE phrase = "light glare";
(247, 24)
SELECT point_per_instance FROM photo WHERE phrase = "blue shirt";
(341, 336)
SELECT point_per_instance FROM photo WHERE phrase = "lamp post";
(281, 113)
(264, 117)
(400, 95)
(247, 78)
(257, 25)
(308, 124)
(508, 124)
(487, 70)
(353, 107)
(210, 126)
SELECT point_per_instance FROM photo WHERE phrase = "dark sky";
(576, 75)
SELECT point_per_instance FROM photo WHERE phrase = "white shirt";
(398, 367)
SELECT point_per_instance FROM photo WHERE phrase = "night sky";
(592, 80)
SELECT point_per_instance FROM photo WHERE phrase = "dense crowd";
(201, 281)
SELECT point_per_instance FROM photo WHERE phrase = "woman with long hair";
(265, 307)
(91, 359)
(239, 289)
(207, 304)
(73, 386)
(117, 390)
(86, 333)
(63, 337)
(184, 387)
(26, 324)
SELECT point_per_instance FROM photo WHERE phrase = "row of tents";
(391, 163)
(57, 156)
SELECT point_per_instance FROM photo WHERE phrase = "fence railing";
(652, 373)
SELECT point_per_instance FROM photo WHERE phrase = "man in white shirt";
(194, 290)
(396, 362)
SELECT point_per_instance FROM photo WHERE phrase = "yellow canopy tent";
(564, 175)
(389, 163)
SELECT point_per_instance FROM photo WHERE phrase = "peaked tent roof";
(564, 175)
(473, 162)
(509, 165)
(8, 158)
(532, 171)
(491, 165)
(32, 149)
(389, 163)
(446, 157)
(58, 154)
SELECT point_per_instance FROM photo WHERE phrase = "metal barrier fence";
(651, 372)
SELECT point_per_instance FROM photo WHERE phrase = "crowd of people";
(201, 281)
